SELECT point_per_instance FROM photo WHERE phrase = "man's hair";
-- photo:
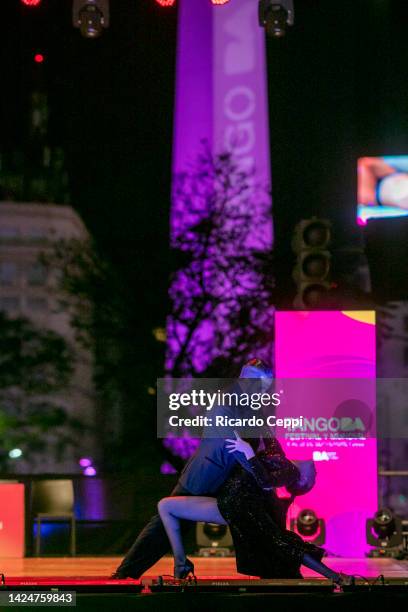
(260, 365)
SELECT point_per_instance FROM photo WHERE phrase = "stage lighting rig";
(275, 16)
(384, 531)
(308, 525)
(91, 17)
(213, 540)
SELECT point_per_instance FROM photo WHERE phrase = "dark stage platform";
(218, 585)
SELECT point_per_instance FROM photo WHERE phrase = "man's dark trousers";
(151, 544)
(203, 474)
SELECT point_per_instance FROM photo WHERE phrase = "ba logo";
(320, 456)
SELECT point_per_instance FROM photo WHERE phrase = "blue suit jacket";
(210, 465)
(208, 468)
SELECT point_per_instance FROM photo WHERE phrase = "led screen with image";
(382, 187)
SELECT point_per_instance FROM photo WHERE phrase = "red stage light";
(166, 2)
(31, 2)
(38, 58)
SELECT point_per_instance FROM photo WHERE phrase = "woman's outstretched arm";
(194, 508)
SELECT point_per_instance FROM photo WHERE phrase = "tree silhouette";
(34, 365)
(104, 312)
(221, 289)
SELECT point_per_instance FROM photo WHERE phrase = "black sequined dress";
(257, 517)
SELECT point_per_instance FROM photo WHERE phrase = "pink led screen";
(333, 344)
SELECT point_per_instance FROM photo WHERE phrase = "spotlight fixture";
(384, 530)
(308, 525)
(275, 16)
(219, 2)
(91, 17)
(213, 540)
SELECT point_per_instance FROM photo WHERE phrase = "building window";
(8, 273)
(9, 303)
(36, 275)
(37, 304)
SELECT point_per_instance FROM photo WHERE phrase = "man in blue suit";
(204, 473)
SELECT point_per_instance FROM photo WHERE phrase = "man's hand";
(239, 445)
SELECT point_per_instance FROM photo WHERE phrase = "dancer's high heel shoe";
(345, 580)
(183, 570)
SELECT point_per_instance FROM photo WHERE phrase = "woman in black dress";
(255, 515)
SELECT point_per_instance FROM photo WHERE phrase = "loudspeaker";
(386, 247)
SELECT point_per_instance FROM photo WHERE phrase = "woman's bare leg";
(172, 509)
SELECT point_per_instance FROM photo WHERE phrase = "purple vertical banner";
(221, 87)
(240, 102)
(193, 113)
(221, 98)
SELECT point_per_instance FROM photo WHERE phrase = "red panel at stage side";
(64, 580)
(11, 520)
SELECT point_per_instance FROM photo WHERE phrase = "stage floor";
(204, 567)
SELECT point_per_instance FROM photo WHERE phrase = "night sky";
(337, 85)
(111, 104)
(338, 90)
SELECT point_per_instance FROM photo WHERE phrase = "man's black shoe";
(119, 576)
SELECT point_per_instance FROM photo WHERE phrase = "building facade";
(29, 289)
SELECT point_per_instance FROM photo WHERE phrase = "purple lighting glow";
(167, 468)
(85, 462)
(89, 471)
